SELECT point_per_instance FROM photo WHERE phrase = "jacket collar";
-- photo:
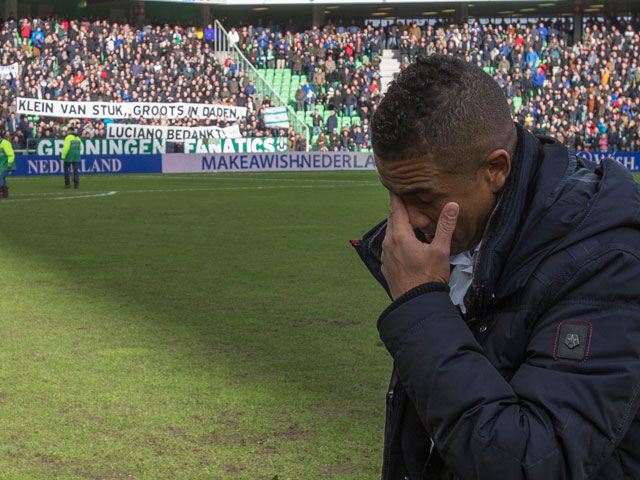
(536, 211)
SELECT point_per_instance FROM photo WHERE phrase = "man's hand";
(406, 261)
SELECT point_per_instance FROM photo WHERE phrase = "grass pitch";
(190, 327)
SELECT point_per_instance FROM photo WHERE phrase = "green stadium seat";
(344, 122)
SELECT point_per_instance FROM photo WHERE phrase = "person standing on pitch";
(71, 156)
(7, 162)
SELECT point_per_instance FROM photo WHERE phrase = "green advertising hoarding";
(104, 146)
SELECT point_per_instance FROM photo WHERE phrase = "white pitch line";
(47, 194)
(226, 189)
(204, 189)
(72, 197)
(241, 177)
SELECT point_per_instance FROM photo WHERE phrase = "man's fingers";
(398, 219)
(446, 226)
(396, 206)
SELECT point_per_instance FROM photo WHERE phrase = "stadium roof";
(332, 2)
(417, 8)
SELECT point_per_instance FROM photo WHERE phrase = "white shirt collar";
(461, 275)
(465, 259)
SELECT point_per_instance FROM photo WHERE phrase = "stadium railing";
(262, 86)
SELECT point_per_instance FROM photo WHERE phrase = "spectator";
(358, 138)
(233, 37)
(310, 97)
(317, 123)
(296, 63)
(249, 90)
(300, 98)
(209, 34)
(321, 143)
(332, 122)
(349, 102)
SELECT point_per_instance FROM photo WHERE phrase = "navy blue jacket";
(332, 123)
(540, 379)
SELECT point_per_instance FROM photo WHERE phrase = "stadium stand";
(584, 91)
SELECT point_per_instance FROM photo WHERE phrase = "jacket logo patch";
(573, 340)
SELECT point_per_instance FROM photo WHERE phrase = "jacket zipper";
(386, 461)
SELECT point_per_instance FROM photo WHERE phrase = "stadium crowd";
(585, 92)
(98, 61)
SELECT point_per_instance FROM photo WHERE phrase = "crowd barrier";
(237, 162)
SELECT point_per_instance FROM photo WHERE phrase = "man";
(310, 96)
(300, 97)
(513, 267)
(233, 37)
(350, 102)
(249, 89)
(332, 121)
(317, 123)
(296, 63)
(7, 162)
(358, 137)
(71, 151)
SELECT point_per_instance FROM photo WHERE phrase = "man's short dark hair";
(444, 109)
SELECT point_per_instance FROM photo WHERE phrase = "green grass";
(190, 327)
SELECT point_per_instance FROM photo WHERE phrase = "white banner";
(171, 134)
(200, 111)
(276, 117)
(7, 71)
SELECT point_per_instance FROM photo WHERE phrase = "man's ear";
(496, 168)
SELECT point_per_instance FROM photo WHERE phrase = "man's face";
(426, 189)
